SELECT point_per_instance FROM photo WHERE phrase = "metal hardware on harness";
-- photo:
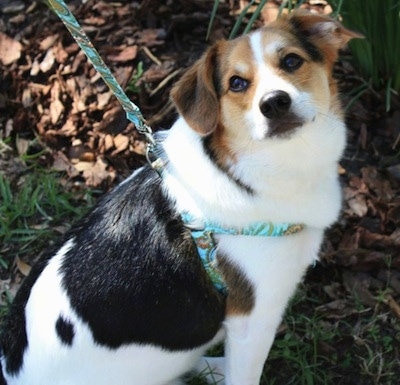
(132, 111)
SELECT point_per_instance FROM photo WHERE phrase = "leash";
(132, 111)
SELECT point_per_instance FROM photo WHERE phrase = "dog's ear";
(195, 95)
(326, 33)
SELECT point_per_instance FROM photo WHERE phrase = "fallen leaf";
(48, 42)
(69, 128)
(393, 304)
(376, 183)
(103, 99)
(108, 142)
(151, 37)
(48, 61)
(62, 163)
(23, 267)
(56, 109)
(22, 145)
(56, 106)
(337, 309)
(97, 173)
(358, 285)
(121, 143)
(10, 49)
(84, 166)
(356, 202)
(124, 55)
(26, 97)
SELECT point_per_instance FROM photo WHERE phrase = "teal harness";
(203, 237)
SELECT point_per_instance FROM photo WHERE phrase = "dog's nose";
(275, 104)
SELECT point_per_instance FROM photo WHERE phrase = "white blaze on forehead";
(265, 50)
(261, 49)
(257, 47)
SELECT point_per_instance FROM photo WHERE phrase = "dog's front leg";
(248, 341)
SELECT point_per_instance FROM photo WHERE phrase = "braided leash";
(132, 111)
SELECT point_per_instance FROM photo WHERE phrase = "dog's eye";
(292, 62)
(237, 84)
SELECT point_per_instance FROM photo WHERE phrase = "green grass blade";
(212, 18)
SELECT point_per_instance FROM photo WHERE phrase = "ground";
(57, 115)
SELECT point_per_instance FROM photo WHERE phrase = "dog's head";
(265, 84)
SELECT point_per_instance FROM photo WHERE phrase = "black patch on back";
(134, 275)
(65, 330)
(303, 37)
(211, 154)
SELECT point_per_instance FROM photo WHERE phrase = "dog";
(246, 176)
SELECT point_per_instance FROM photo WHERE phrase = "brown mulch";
(52, 100)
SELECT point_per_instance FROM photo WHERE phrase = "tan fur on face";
(203, 96)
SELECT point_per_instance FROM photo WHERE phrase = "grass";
(34, 212)
(133, 85)
(377, 56)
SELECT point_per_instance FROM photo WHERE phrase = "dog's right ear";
(195, 94)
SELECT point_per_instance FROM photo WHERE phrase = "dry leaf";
(394, 306)
(108, 142)
(48, 61)
(121, 143)
(62, 163)
(26, 97)
(357, 206)
(23, 267)
(97, 173)
(337, 309)
(22, 145)
(56, 109)
(358, 285)
(10, 49)
(48, 42)
(84, 166)
(125, 55)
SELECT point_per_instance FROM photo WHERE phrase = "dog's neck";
(288, 178)
(189, 173)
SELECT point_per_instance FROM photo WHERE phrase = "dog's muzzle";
(275, 106)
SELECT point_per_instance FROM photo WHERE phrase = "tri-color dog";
(167, 265)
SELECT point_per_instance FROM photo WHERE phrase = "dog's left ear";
(326, 33)
(195, 95)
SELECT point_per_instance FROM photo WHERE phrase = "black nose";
(275, 104)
